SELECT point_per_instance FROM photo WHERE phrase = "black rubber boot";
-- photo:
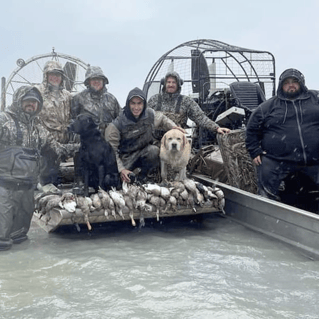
(5, 244)
(20, 239)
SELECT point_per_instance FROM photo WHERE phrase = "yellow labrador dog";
(175, 151)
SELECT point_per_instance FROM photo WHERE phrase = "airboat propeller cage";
(209, 65)
(30, 72)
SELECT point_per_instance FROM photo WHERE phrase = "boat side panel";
(291, 225)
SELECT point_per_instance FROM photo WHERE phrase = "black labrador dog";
(96, 162)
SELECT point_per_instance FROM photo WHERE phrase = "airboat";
(228, 82)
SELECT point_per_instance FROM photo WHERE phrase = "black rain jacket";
(286, 130)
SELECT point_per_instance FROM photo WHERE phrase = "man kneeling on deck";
(131, 136)
(282, 134)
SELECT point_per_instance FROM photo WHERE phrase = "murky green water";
(178, 269)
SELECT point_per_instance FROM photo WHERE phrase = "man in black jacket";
(282, 134)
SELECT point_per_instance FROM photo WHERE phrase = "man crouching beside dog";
(131, 136)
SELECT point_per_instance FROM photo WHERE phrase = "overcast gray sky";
(126, 37)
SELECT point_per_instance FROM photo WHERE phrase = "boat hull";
(56, 217)
(294, 226)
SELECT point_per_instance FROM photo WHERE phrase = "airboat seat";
(247, 94)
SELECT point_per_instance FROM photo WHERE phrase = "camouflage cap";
(32, 95)
(53, 66)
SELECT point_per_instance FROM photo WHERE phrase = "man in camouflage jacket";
(21, 137)
(55, 117)
(96, 100)
(180, 107)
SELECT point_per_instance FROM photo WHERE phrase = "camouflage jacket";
(56, 112)
(179, 108)
(102, 106)
(34, 135)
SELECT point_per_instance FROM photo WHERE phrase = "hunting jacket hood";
(292, 73)
(14, 116)
(129, 135)
(285, 129)
(136, 92)
(94, 72)
(178, 79)
(52, 66)
(15, 109)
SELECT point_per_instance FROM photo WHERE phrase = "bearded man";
(282, 134)
(179, 108)
(22, 138)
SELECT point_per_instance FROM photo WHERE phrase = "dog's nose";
(174, 145)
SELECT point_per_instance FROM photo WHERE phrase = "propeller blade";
(70, 74)
(200, 74)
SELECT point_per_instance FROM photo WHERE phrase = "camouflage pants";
(16, 210)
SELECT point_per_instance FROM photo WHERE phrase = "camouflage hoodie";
(180, 107)
(94, 72)
(28, 124)
(101, 105)
(56, 111)
(34, 135)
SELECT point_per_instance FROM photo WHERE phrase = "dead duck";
(171, 203)
(43, 203)
(96, 201)
(84, 203)
(156, 202)
(105, 201)
(152, 189)
(41, 200)
(118, 200)
(165, 193)
(130, 205)
(68, 202)
(141, 198)
(178, 186)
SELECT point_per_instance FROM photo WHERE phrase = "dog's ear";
(184, 141)
(163, 142)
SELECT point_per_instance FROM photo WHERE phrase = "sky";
(126, 37)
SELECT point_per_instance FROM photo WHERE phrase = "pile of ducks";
(154, 199)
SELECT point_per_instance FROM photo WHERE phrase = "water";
(181, 268)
